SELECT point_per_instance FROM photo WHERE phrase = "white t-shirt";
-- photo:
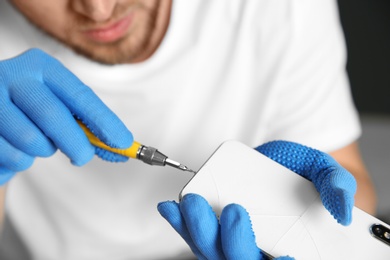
(252, 71)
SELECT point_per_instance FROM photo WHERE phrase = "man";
(184, 76)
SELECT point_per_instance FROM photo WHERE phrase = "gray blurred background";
(366, 26)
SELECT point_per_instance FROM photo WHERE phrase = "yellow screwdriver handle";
(129, 152)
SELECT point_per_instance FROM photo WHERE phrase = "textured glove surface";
(231, 237)
(336, 185)
(39, 100)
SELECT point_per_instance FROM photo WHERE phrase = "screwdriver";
(147, 154)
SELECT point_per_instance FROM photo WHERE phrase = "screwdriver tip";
(178, 165)
(185, 168)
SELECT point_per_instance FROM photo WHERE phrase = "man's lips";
(111, 32)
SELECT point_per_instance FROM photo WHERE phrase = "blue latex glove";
(232, 236)
(40, 99)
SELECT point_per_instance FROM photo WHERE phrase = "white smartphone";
(286, 211)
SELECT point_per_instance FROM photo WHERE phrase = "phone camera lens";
(381, 232)
(377, 230)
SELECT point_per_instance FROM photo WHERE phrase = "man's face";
(108, 31)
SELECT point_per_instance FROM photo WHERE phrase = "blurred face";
(108, 31)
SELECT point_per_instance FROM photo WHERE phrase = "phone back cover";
(287, 214)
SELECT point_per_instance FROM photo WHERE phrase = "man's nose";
(97, 10)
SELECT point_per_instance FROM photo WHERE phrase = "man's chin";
(108, 55)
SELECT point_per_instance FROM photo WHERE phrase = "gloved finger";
(170, 210)
(337, 194)
(53, 118)
(87, 106)
(12, 160)
(238, 239)
(203, 226)
(329, 178)
(20, 132)
(5, 175)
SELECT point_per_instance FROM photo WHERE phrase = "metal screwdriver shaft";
(152, 156)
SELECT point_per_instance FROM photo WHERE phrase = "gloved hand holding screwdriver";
(40, 100)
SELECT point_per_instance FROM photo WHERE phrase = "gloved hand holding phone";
(231, 237)
(40, 100)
